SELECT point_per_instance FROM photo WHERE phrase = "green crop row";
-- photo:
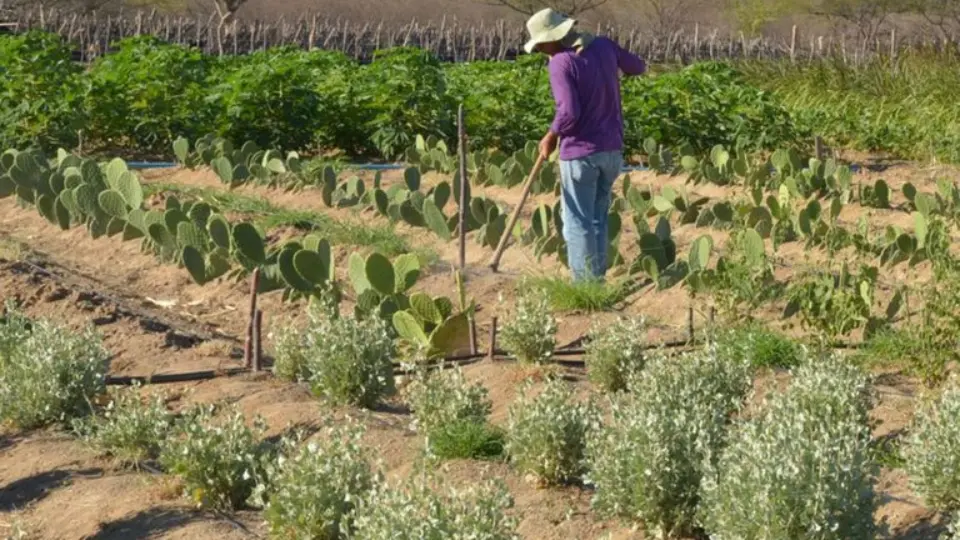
(147, 93)
(906, 108)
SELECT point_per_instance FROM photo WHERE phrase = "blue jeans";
(586, 186)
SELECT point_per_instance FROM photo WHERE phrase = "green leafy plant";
(48, 373)
(422, 512)
(547, 432)
(219, 460)
(647, 463)
(312, 490)
(147, 93)
(615, 352)
(131, 428)
(40, 92)
(932, 449)
(802, 468)
(466, 439)
(530, 335)
(758, 346)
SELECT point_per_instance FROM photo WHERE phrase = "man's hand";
(548, 144)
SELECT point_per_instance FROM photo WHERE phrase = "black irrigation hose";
(170, 378)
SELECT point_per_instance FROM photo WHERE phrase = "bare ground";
(154, 320)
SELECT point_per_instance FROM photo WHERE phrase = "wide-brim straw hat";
(547, 26)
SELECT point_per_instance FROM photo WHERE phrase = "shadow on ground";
(928, 529)
(145, 524)
(25, 491)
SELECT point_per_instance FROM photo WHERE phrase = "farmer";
(584, 77)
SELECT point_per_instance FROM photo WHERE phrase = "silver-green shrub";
(547, 432)
(290, 342)
(219, 460)
(615, 352)
(648, 461)
(131, 428)
(439, 398)
(414, 510)
(801, 469)
(531, 335)
(48, 373)
(313, 489)
(347, 361)
(932, 450)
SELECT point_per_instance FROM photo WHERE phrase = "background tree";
(943, 15)
(529, 7)
(866, 16)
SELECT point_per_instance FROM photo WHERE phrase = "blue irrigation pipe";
(854, 167)
(362, 166)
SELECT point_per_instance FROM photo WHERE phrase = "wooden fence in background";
(93, 33)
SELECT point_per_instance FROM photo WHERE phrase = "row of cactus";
(545, 234)
(485, 168)
(107, 198)
(897, 246)
(70, 191)
(236, 166)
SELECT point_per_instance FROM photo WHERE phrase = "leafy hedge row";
(148, 92)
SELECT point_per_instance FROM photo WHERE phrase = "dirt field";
(155, 320)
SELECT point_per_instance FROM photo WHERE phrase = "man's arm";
(630, 63)
(565, 95)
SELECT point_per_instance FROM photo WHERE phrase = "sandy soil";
(154, 320)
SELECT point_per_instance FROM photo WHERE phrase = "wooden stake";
(257, 342)
(464, 186)
(473, 335)
(493, 340)
(249, 345)
(690, 324)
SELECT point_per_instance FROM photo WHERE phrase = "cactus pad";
(249, 242)
(357, 273)
(311, 266)
(219, 230)
(113, 204)
(435, 220)
(409, 328)
(195, 264)
(407, 270)
(423, 307)
(380, 274)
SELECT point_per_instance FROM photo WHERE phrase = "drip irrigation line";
(170, 378)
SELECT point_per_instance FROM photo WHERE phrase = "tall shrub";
(801, 469)
(547, 432)
(932, 450)
(48, 373)
(269, 97)
(648, 462)
(148, 93)
(405, 92)
(41, 91)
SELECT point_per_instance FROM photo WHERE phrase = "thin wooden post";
(818, 147)
(690, 333)
(493, 340)
(793, 45)
(249, 346)
(257, 342)
(464, 185)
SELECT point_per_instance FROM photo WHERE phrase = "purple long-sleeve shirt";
(586, 89)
